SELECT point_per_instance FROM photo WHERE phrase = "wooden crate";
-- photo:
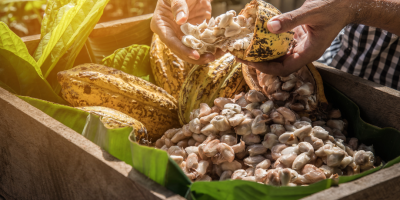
(41, 158)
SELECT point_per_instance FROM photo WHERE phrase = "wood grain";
(118, 26)
(379, 105)
(384, 184)
(31, 42)
(40, 158)
(110, 36)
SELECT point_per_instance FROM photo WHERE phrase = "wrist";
(352, 8)
(360, 10)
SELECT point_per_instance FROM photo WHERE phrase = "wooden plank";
(379, 105)
(118, 26)
(31, 42)
(41, 158)
(107, 37)
(384, 184)
(110, 36)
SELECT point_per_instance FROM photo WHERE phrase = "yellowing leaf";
(134, 60)
(19, 72)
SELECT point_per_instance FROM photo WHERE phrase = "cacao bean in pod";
(304, 103)
(205, 83)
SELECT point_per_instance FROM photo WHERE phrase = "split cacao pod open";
(302, 91)
(246, 36)
(169, 70)
(265, 45)
(205, 83)
(98, 85)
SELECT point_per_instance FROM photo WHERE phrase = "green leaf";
(114, 141)
(69, 116)
(385, 140)
(65, 29)
(238, 189)
(134, 60)
(19, 71)
(6, 87)
(155, 164)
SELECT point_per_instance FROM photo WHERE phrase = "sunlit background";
(24, 16)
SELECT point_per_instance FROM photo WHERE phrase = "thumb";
(288, 21)
(180, 11)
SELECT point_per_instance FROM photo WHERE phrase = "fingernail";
(193, 58)
(179, 16)
(275, 25)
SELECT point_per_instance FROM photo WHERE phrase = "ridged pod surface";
(308, 74)
(113, 119)
(169, 70)
(221, 78)
(98, 85)
(265, 45)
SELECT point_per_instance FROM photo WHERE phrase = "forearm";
(384, 14)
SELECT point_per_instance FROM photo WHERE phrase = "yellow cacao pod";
(264, 45)
(169, 70)
(205, 83)
(98, 85)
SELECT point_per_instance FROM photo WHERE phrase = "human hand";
(170, 15)
(316, 24)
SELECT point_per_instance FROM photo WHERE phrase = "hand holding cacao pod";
(246, 35)
(314, 29)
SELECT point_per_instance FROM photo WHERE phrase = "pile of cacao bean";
(251, 138)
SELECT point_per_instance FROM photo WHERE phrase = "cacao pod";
(264, 45)
(246, 35)
(298, 98)
(169, 70)
(98, 85)
(113, 119)
(205, 83)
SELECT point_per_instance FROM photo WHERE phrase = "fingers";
(185, 53)
(180, 11)
(291, 63)
(219, 54)
(288, 21)
(273, 68)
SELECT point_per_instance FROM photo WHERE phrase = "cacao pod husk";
(169, 70)
(264, 45)
(205, 83)
(318, 104)
(98, 85)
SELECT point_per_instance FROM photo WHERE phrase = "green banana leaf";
(114, 141)
(134, 60)
(19, 72)
(66, 26)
